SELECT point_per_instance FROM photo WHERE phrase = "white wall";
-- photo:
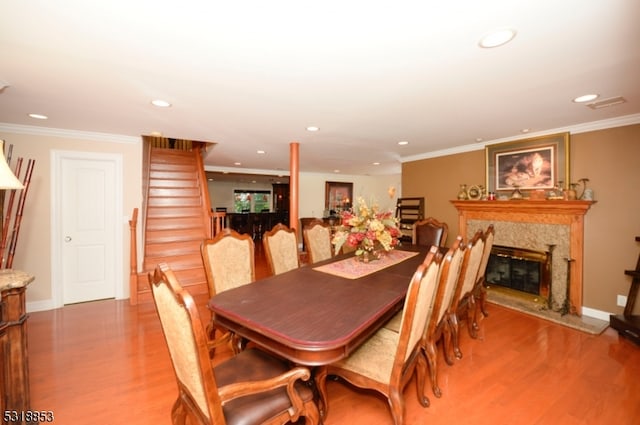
(374, 189)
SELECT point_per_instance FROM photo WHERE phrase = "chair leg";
(446, 343)
(178, 413)
(472, 326)
(396, 403)
(421, 379)
(432, 361)
(455, 329)
(321, 386)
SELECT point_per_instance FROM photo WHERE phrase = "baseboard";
(43, 305)
(596, 314)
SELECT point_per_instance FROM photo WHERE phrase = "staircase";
(176, 219)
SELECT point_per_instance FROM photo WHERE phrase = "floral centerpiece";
(367, 229)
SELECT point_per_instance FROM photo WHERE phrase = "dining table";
(319, 313)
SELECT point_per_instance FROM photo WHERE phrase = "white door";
(88, 227)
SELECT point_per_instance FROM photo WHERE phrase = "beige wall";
(608, 158)
(33, 250)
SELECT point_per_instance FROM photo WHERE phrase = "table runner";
(351, 268)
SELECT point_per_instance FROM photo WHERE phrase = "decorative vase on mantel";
(462, 193)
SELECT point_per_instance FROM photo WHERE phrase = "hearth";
(524, 270)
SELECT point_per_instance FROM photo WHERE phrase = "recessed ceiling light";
(479, 139)
(39, 116)
(403, 143)
(497, 38)
(237, 163)
(524, 130)
(313, 128)
(160, 103)
(260, 152)
(376, 163)
(586, 98)
(336, 171)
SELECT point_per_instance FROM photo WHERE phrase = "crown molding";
(573, 129)
(68, 134)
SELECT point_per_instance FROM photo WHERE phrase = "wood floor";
(106, 362)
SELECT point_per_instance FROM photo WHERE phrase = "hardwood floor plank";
(106, 362)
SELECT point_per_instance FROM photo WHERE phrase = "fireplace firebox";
(524, 270)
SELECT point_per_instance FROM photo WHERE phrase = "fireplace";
(536, 225)
(524, 270)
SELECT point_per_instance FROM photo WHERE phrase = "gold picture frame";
(338, 196)
(538, 163)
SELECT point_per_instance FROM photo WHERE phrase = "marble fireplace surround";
(536, 225)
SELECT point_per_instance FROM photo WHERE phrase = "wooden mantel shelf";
(526, 207)
(569, 213)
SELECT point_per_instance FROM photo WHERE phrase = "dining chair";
(251, 387)
(468, 275)
(281, 248)
(430, 232)
(317, 240)
(479, 290)
(465, 299)
(438, 327)
(228, 261)
(387, 361)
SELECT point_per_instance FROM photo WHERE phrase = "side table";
(13, 341)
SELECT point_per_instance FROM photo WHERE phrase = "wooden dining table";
(317, 314)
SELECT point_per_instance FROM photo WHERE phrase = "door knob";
(67, 239)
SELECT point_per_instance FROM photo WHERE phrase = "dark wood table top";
(311, 317)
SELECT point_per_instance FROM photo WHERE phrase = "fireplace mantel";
(570, 213)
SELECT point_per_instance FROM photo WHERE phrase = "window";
(251, 200)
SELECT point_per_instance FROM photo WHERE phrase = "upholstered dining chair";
(228, 262)
(281, 248)
(250, 388)
(317, 240)
(429, 232)
(479, 289)
(468, 275)
(438, 326)
(464, 305)
(387, 361)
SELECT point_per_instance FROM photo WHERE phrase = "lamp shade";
(7, 179)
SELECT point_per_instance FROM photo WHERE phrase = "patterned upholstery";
(281, 246)
(479, 291)
(317, 241)
(439, 325)
(387, 361)
(242, 395)
(228, 261)
(468, 275)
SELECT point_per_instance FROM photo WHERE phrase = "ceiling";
(253, 75)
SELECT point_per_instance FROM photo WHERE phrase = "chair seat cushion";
(394, 323)
(374, 359)
(255, 365)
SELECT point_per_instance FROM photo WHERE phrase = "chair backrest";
(449, 274)
(187, 344)
(488, 244)
(317, 240)
(228, 260)
(417, 307)
(429, 232)
(468, 279)
(281, 247)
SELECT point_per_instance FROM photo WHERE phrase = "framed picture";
(337, 196)
(529, 164)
